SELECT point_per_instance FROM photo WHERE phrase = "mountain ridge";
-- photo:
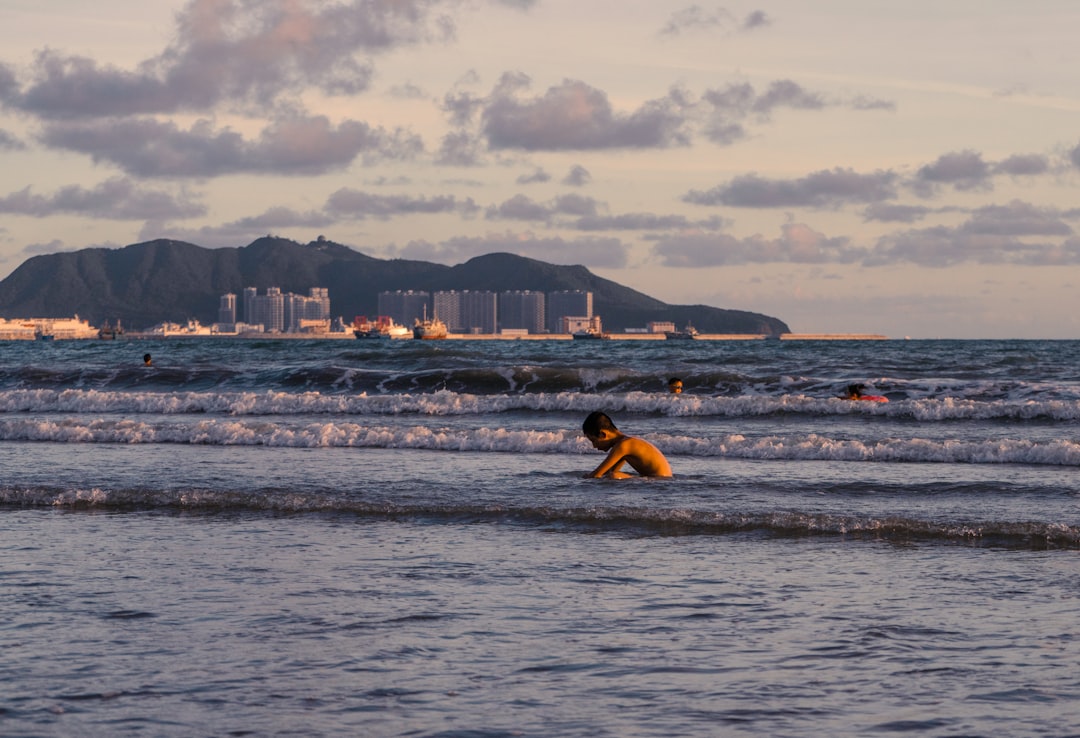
(168, 280)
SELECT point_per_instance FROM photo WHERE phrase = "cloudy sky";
(911, 169)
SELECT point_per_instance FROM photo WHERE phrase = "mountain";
(165, 280)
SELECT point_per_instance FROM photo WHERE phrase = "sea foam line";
(344, 434)
(448, 403)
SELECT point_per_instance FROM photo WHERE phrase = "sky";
(910, 169)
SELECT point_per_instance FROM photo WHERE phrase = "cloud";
(1022, 165)
(8, 142)
(521, 207)
(460, 149)
(278, 218)
(797, 243)
(756, 19)
(1016, 219)
(573, 116)
(991, 236)
(360, 205)
(964, 170)
(232, 51)
(644, 222)
(696, 19)
(290, 146)
(727, 109)
(823, 189)
(578, 176)
(891, 213)
(605, 253)
(538, 176)
(118, 198)
(1074, 156)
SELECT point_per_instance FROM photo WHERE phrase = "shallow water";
(334, 538)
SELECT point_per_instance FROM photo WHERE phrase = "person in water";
(674, 386)
(858, 392)
(642, 456)
(146, 359)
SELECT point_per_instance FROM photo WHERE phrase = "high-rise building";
(227, 309)
(301, 310)
(467, 311)
(576, 303)
(447, 307)
(266, 310)
(249, 301)
(280, 313)
(522, 309)
(404, 306)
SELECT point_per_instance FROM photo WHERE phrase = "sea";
(394, 538)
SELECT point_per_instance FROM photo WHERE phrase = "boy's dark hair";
(596, 423)
(674, 380)
(856, 389)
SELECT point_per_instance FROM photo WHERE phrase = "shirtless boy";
(642, 456)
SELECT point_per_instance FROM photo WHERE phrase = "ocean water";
(338, 537)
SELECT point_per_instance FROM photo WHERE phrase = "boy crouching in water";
(641, 455)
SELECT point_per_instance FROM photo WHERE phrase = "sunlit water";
(340, 538)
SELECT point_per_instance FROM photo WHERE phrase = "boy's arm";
(610, 465)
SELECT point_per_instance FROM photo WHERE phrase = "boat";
(382, 327)
(429, 329)
(110, 332)
(590, 334)
(686, 334)
(44, 334)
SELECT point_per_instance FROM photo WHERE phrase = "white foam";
(300, 434)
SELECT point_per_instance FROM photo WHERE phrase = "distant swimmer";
(674, 386)
(642, 456)
(146, 359)
(858, 392)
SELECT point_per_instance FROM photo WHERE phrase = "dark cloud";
(233, 51)
(292, 146)
(116, 199)
(643, 222)
(889, 213)
(787, 94)
(574, 116)
(462, 107)
(1074, 156)
(358, 205)
(1016, 219)
(824, 189)
(578, 176)
(964, 170)
(460, 149)
(992, 236)
(278, 218)
(1023, 165)
(537, 176)
(756, 19)
(798, 243)
(521, 207)
(605, 253)
(727, 109)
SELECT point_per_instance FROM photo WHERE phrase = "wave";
(342, 434)
(669, 521)
(447, 402)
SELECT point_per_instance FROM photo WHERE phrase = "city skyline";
(842, 166)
